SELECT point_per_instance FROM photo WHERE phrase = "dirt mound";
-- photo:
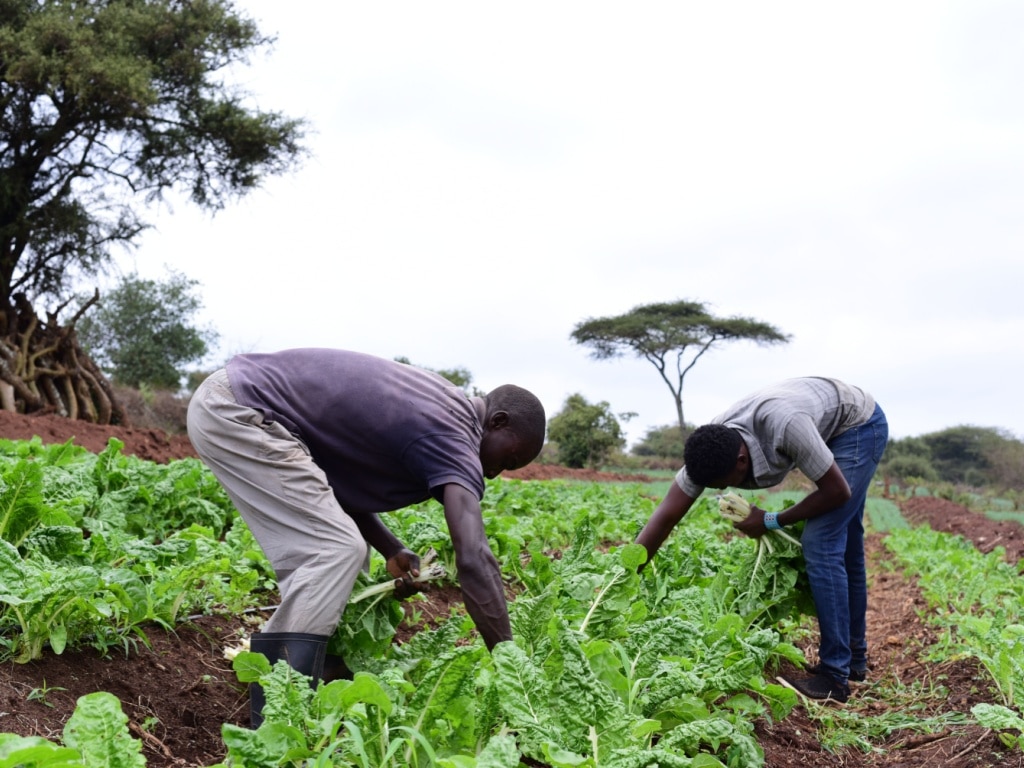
(156, 445)
(555, 472)
(949, 517)
(151, 444)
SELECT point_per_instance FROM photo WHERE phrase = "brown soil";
(177, 689)
(553, 471)
(150, 444)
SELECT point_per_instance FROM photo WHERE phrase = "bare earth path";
(178, 691)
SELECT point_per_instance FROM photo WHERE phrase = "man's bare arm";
(667, 515)
(478, 570)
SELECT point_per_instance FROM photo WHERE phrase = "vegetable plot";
(594, 677)
(94, 547)
(607, 668)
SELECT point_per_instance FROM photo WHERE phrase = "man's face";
(732, 480)
(738, 474)
(500, 449)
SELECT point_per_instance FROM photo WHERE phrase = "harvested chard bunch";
(429, 571)
(764, 578)
(735, 508)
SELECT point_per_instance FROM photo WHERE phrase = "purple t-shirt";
(386, 434)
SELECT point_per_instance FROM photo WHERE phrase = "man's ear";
(743, 457)
(498, 420)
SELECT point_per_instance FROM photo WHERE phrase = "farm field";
(915, 711)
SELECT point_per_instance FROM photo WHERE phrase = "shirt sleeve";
(441, 460)
(687, 485)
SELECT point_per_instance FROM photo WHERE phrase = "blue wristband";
(771, 521)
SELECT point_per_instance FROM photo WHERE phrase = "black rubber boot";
(335, 668)
(304, 653)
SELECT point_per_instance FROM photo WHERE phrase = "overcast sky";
(484, 176)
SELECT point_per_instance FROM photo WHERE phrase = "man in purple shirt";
(312, 444)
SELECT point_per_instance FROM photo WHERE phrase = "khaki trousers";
(315, 548)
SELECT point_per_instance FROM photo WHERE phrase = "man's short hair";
(711, 453)
(525, 412)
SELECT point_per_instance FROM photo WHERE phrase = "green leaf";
(21, 500)
(633, 555)
(58, 638)
(524, 697)
(558, 757)
(998, 717)
(250, 667)
(499, 752)
(98, 729)
(446, 693)
(341, 695)
(283, 740)
(25, 751)
(247, 747)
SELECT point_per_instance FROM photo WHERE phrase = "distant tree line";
(962, 455)
(586, 434)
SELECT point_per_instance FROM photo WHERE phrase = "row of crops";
(608, 668)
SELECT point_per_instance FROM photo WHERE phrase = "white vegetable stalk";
(429, 571)
(735, 508)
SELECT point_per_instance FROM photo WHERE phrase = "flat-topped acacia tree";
(671, 336)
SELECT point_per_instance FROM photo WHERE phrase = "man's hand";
(753, 525)
(404, 565)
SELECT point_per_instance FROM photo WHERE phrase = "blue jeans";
(833, 547)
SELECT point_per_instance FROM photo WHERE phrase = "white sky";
(484, 176)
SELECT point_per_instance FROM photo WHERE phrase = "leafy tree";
(906, 459)
(977, 455)
(908, 466)
(958, 455)
(1006, 459)
(662, 442)
(907, 447)
(664, 334)
(585, 433)
(959, 450)
(105, 104)
(143, 332)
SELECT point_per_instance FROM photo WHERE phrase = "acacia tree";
(104, 105)
(671, 336)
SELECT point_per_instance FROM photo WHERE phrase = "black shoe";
(335, 668)
(821, 687)
(856, 675)
(304, 653)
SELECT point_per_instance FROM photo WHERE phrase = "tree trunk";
(44, 370)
